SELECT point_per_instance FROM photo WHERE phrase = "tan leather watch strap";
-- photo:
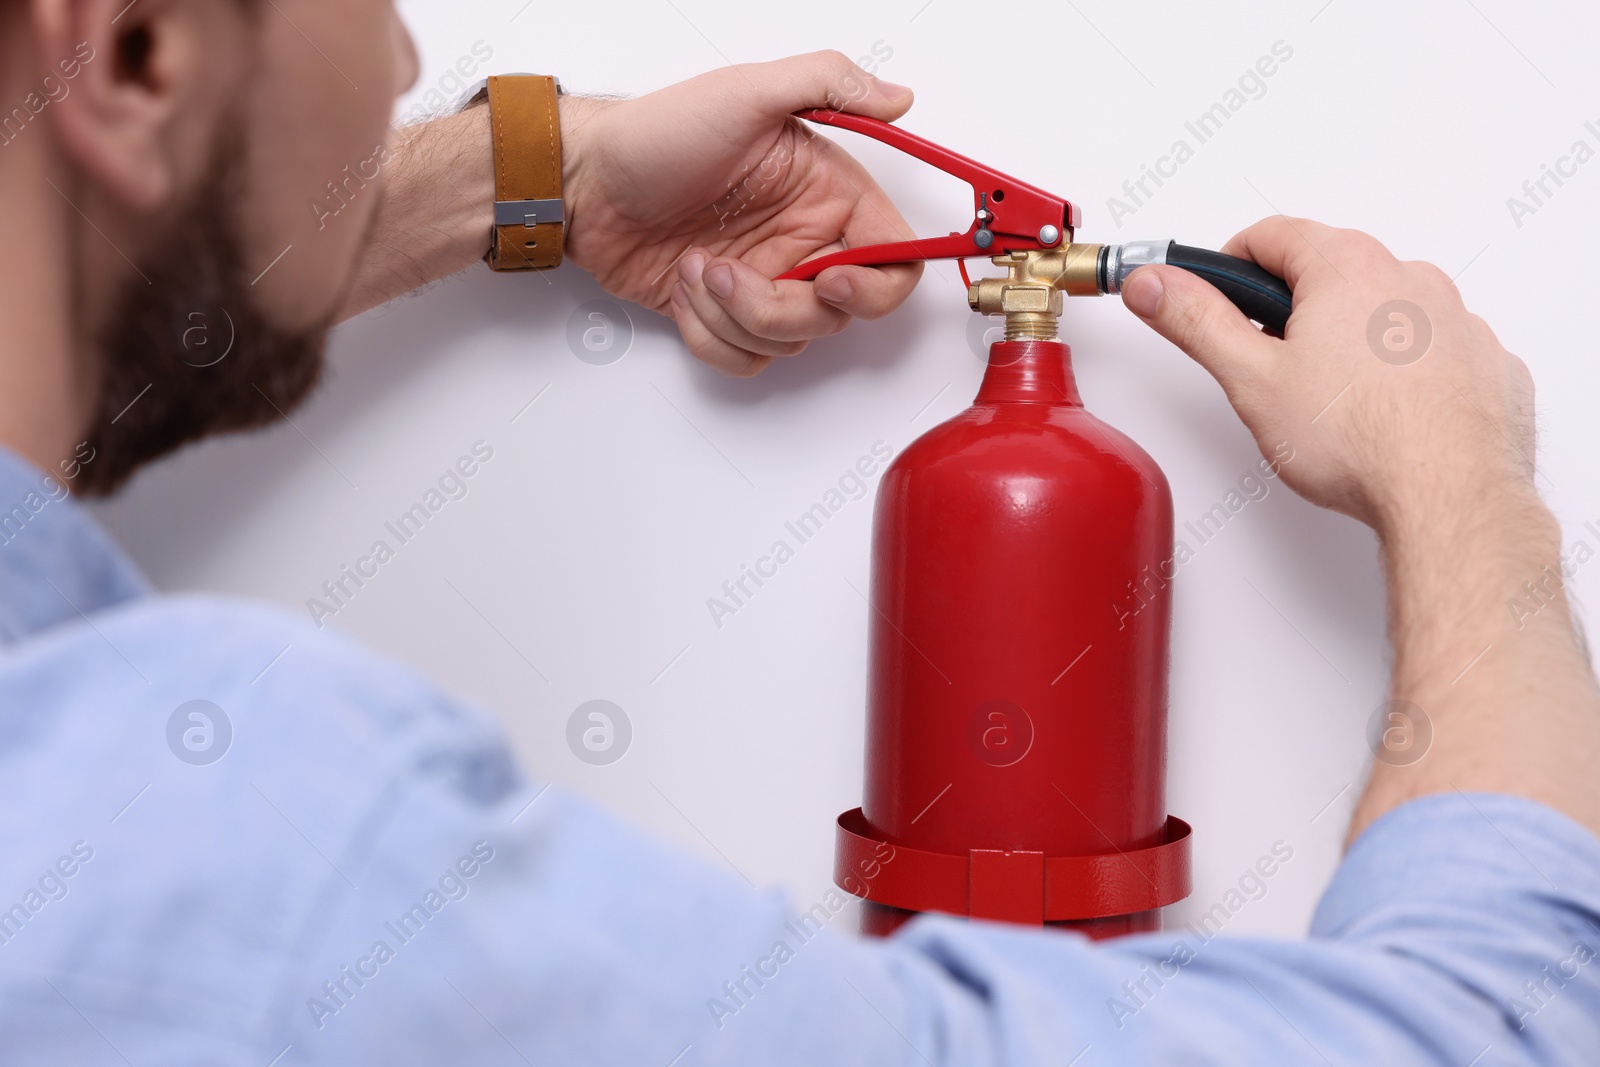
(528, 215)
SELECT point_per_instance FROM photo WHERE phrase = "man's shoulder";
(188, 631)
(222, 770)
(252, 654)
(226, 694)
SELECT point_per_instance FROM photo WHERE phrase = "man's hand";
(1405, 411)
(688, 201)
(1388, 406)
(692, 199)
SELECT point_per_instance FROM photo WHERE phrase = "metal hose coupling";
(1119, 261)
(1260, 294)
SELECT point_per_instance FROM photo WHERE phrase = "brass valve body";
(1030, 294)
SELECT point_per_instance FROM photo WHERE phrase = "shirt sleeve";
(1460, 929)
(538, 929)
(368, 878)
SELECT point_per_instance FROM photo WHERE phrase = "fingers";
(707, 346)
(732, 314)
(826, 79)
(1294, 249)
(1192, 314)
(867, 292)
(1284, 246)
(744, 307)
(737, 319)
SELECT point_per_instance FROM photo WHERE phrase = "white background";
(579, 565)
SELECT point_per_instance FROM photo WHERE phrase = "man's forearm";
(1494, 666)
(437, 209)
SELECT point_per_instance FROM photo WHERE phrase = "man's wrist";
(578, 163)
(1506, 518)
(1438, 500)
(1454, 572)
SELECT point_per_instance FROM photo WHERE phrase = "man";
(368, 879)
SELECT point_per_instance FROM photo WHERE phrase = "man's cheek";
(318, 152)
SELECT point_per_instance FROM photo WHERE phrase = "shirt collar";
(56, 563)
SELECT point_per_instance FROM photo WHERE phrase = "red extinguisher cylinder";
(1022, 559)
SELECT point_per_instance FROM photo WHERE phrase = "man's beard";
(187, 354)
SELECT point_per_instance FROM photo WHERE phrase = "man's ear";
(125, 68)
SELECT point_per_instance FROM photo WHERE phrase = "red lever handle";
(1008, 215)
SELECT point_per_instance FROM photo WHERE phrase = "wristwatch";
(525, 127)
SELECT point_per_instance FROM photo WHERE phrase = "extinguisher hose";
(1261, 295)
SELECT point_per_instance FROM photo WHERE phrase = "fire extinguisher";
(1020, 604)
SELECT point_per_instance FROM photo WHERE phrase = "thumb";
(1191, 313)
(827, 79)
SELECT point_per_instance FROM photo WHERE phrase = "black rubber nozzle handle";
(1262, 296)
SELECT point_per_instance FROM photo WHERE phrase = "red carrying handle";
(1008, 215)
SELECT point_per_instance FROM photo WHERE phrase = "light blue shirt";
(365, 876)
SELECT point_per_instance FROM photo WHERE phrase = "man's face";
(317, 116)
(243, 273)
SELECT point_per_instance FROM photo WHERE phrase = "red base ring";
(1019, 887)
